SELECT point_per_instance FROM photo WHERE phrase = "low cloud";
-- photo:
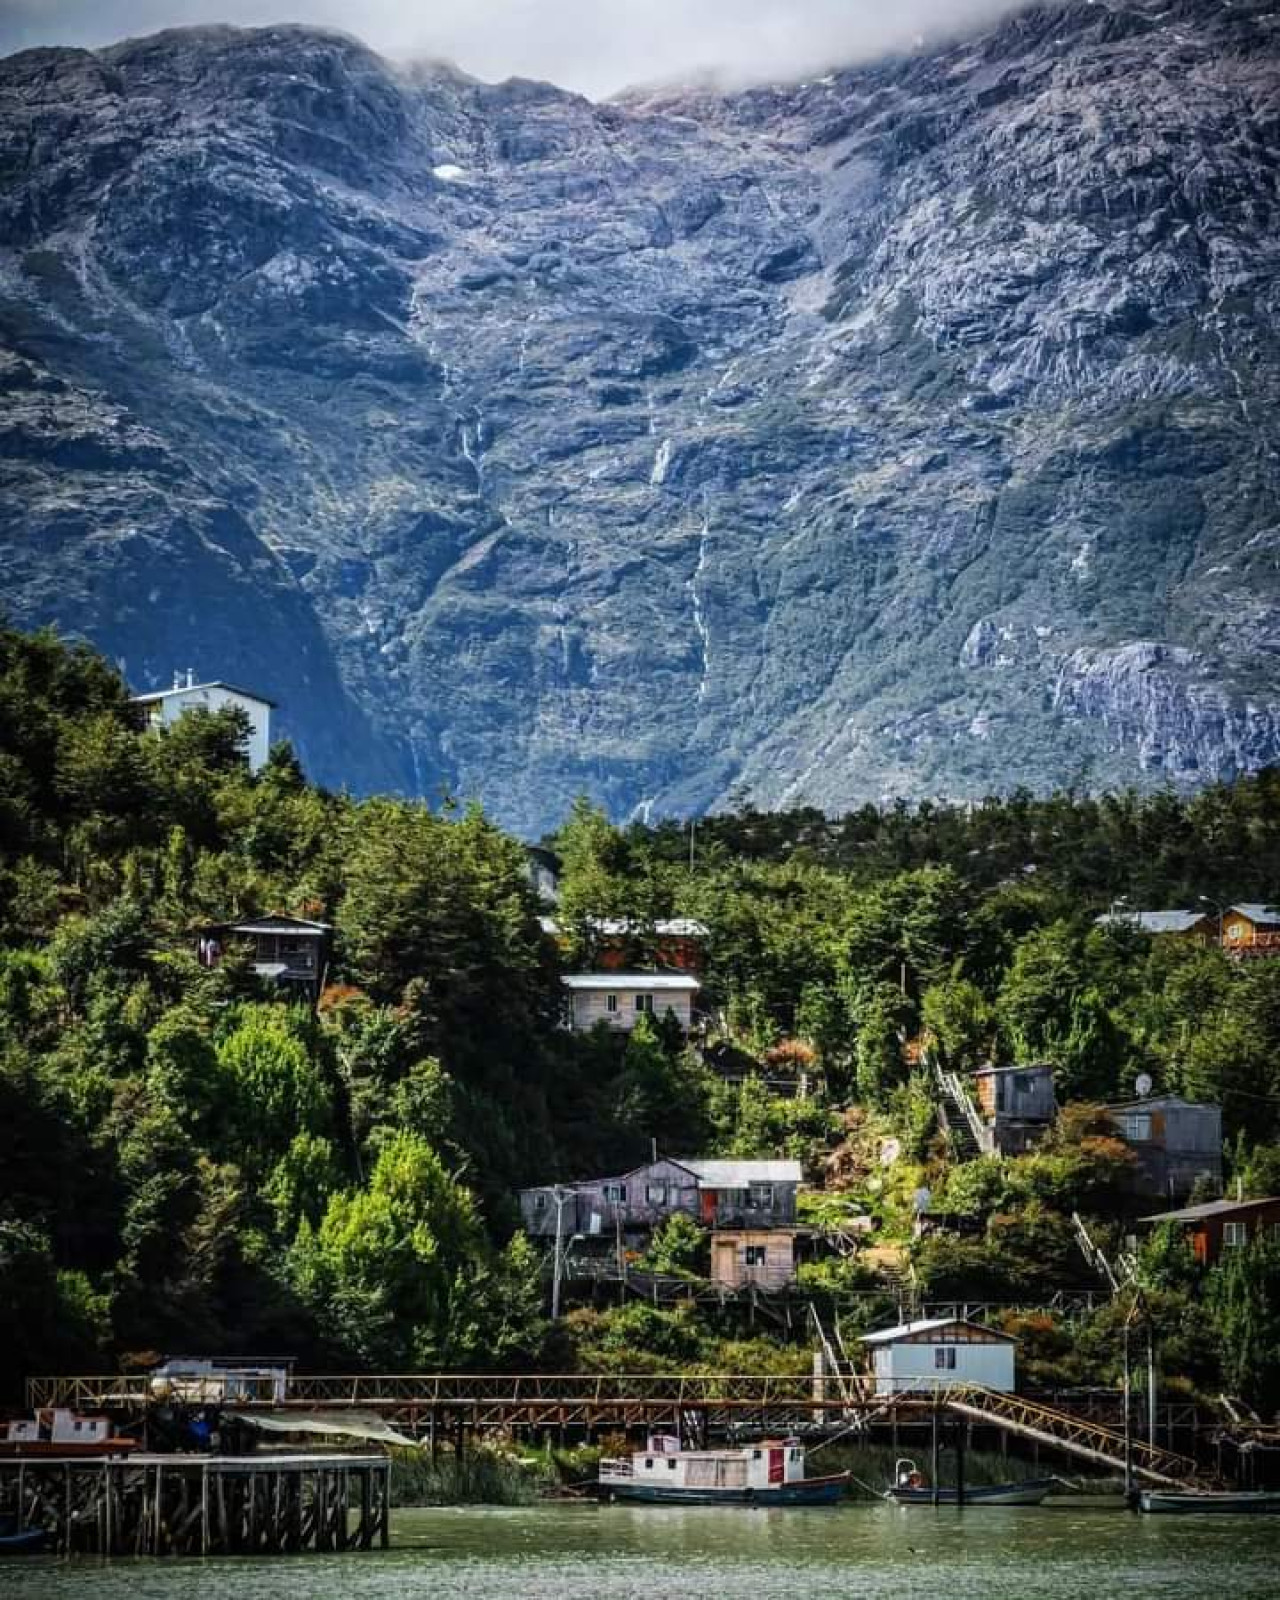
(594, 46)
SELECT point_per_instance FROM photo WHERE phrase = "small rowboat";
(1250, 1502)
(15, 1541)
(910, 1489)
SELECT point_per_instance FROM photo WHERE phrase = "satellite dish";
(1143, 1085)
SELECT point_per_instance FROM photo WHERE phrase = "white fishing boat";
(771, 1473)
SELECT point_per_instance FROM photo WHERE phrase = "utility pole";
(562, 1196)
(693, 829)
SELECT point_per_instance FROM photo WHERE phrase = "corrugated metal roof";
(904, 1330)
(1152, 921)
(742, 1174)
(656, 981)
(1211, 1208)
(194, 688)
(280, 925)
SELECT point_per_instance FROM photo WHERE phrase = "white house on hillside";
(940, 1350)
(620, 999)
(163, 707)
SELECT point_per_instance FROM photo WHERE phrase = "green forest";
(188, 1164)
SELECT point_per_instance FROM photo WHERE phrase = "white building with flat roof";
(620, 999)
(163, 707)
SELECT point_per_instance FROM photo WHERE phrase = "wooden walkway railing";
(626, 1400)
(1079, 1436)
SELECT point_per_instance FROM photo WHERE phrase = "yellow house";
(1251, 927)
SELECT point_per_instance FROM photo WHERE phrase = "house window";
(1136, 1126)
(539, 1202)
(754, 1255)
(656, 1194)
(644, 1002)
(611, 1002)
(1234, 1234)
(671, 1466)
(615, 1193)
(944, 1358)
(1235, 932)
(760, 1197)
(648, 1463)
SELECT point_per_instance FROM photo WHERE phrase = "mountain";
(913, 430)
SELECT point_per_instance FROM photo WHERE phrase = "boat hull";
(1190, 1503)
(803, 1492)
(30, 1542)
(1028, 1493)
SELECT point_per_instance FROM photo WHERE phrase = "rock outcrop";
(912, 430)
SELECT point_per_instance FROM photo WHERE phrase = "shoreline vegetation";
(195, 1163)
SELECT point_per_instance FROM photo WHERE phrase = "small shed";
(1193, 926)
(1017, 1104)
(940, 1350)
(741, 1256)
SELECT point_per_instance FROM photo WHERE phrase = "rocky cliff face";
(914, 430)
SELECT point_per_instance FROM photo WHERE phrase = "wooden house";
(1017, 1106)
(619, 999)
(289, 951)
(940, 1350)
(1177, 1143)
(163, 707)
(1251, 929)
(755, 1195)
(1221, 1225)
(743, 1256)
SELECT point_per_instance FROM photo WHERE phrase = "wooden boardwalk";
(433, 1406)
(200, 1505)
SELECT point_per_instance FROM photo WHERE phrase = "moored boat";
(18, 1541)
(771, 1473)
(1245, 1502)
(61, 1433)
(910, 1489)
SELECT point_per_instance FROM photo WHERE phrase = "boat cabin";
(56, 1425)
(664, 1466)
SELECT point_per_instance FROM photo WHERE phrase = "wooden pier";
(201, 1505)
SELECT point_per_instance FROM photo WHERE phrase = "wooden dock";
(201, 1505)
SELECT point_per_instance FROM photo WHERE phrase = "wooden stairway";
(1091, 1441)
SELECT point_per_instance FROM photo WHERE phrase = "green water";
(1068, 1551)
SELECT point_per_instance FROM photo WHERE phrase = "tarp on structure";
(350, 1424)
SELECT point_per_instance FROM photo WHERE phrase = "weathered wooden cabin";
(940, 1350)
(755, 1195)
(1017, 1106)
(289, 951)
(617, 1000)
(1177, 1143)
(1218, 1226)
